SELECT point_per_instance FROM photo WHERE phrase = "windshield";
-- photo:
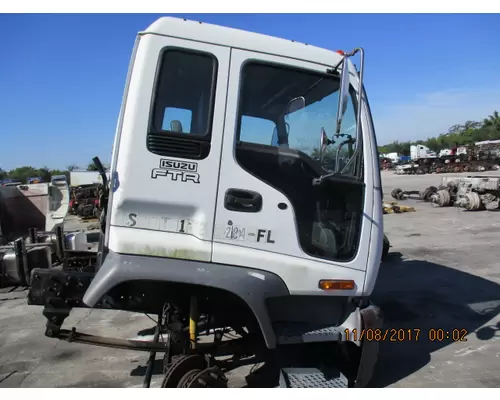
(282, 149)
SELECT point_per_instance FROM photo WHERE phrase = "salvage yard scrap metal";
(471, 193)
(395, 208)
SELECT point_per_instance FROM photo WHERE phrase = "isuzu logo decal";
(177, 171)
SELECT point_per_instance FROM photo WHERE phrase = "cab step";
(302, 333)
(312, 378)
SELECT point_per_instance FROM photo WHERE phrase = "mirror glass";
(323, 144)
(295, 105)
(323, 140)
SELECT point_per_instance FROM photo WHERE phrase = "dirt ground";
(443, 272)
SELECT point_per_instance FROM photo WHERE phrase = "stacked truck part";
(474, 193)
(471, 193)
(44, 250)
(32, 235)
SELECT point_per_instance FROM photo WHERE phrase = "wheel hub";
(188, 378)
(208, 378)
(175, 371)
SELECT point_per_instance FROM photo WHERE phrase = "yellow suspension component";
(193, 321)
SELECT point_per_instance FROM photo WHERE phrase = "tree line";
(22, 174)
(457, 135)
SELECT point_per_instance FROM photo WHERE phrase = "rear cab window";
(181, 123)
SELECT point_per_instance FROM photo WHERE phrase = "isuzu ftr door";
(270, 214)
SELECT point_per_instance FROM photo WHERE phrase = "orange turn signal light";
(332, 284)
(341, 52)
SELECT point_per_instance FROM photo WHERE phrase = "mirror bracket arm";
(333, 71)
(318, 181)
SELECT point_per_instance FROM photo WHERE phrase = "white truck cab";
(195, 174)
(245, 170)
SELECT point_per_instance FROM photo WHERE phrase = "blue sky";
(62, 76)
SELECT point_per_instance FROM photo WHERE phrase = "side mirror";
(323, 143)
(343, 93)
(295, 104)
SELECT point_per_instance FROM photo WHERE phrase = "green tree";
(91, 167)
(492, 121)
(45, 173)
(23, 173)
(457, 135)
(72, 167)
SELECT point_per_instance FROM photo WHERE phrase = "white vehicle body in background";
(394, 157)
(420, 151)
(80, 178)
(42, 206)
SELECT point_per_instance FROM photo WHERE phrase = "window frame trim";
(152, 129)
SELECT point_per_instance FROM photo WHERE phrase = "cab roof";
(236, 38)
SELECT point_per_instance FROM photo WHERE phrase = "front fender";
(253, 286)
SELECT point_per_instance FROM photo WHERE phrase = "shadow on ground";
(417, 294)
(140, 370)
